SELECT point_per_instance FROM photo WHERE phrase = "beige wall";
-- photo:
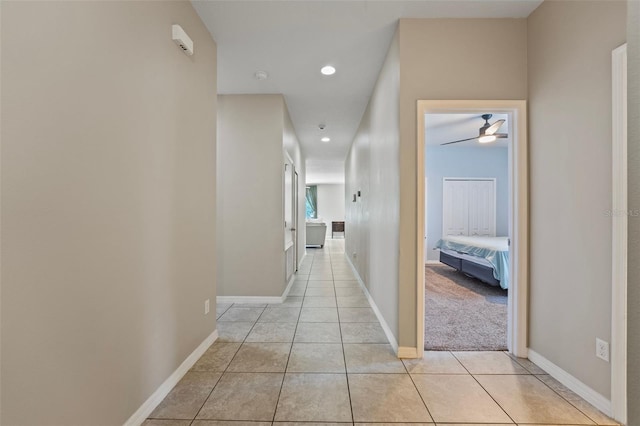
(372, 168)
(357, 214)
(250, 164)
(633, 54)
(251, 137)
(569, 56)
(447, 59)
(108, 205)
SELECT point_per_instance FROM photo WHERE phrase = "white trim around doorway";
(619, 237)
(518, 211)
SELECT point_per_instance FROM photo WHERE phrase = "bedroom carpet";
(462, 313)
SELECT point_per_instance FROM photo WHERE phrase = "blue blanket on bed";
(498, 259)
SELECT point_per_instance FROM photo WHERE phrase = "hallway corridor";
(322, 356)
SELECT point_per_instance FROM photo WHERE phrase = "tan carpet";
(462, 313)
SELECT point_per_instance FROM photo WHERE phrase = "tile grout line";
(213, 371)
(483, 388)
(344, 355)
(419, 394)
(227, 367)
(561, 396)
(284, 374)
(223, 312)
(513, 357)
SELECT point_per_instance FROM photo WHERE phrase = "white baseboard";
(433, 262)
(249, 299)
(407, 352)
(258, 299)
(286, 290)
(156, 398)
(585, 392)
(383, 323)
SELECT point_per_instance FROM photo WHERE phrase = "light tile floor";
(322, 357)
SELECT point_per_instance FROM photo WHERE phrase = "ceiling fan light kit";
(486, 133)
(487, 139)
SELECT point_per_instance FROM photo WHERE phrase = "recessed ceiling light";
(261, 75)
(328, 70)
(326, 139)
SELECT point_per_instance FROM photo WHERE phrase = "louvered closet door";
(482, 208)
(455, 200)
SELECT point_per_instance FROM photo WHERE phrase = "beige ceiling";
(292, 40)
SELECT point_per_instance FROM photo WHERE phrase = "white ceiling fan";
(487, 133)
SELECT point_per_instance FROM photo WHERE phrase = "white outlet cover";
(206, 306)
(602, 349)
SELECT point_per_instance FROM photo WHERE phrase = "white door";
(482, 208)
(296, 235)
(469, 207)
(289, 217)
(455, 202)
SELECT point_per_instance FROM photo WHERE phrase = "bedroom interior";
(467, 231)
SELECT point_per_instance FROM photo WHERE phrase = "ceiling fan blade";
(501, 135)
(461, 140)
(494, 127)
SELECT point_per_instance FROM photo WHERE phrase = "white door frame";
(296, 237)
(518, 211)
(619, 237)
(289, 226)
(426, 220)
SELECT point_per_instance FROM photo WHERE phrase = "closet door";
(455, 207)
(482, 208)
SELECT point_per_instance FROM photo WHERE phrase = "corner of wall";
(633, 309)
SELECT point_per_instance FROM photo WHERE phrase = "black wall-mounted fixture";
(354, 198)
(359, 193)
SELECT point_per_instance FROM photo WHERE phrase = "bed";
(485, 258)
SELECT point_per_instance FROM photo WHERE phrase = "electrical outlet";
(602, 349)
(206, 306)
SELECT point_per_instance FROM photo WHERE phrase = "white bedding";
(491, 243)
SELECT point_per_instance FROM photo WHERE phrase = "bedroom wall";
(331, 202)
(108, 206)
(471, 162)
(251, 137)
(569, 58)
(633, 57)
(372, 166)
(457, 69)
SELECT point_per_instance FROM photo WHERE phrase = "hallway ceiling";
(292, 40)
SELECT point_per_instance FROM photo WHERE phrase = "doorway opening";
(467, 250)
(472, 246)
